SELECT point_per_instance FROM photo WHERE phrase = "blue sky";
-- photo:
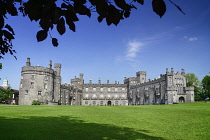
(143, 42)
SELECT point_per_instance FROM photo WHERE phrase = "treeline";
(201, 88)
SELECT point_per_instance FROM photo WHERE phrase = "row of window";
(104, 103)
(94, 95)
(32, 85)
(39, 92)
(33, 77)
(102, 89)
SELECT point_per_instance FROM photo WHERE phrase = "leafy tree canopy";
(206, 85)
(5, 93)
(50, 14)
(191, 80)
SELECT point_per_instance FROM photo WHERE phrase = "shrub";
(36, 102)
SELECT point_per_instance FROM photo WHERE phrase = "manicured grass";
(189, 121)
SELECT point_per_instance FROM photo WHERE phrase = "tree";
(206, 86)
(192, 80)
(49, 14)
(0, 67)
(6, 93)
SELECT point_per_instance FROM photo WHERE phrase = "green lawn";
(181, 121)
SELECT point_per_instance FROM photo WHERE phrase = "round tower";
(36, 83)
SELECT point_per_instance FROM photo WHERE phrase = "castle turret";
(81, 78)
(57, 82)
(141, 77)
(37, 83)
(50, 64)
(57, 68)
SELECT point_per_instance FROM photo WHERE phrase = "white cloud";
(185, 37)
(190, 38)
(133, 49)
(193, 39)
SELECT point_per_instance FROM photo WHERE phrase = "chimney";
(172, 70)
(28, 63)
(183, 72)
(166, 70)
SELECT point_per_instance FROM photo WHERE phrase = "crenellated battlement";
(141, 73)
(37, 69)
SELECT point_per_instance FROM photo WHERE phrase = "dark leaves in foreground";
(48, 14)
(41, 35)
(54, 42)
(159, 7)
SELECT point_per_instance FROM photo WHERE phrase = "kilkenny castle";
(44, 84)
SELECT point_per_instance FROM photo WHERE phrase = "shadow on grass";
(65, 127)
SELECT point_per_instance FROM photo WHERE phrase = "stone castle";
(44, 84)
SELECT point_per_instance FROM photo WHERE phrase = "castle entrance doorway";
(181, 99)
(109, 103)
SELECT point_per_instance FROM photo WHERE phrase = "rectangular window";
(86, 89)
(115, 89)
(21, 85)
(101, 103)
(124, 102)
(45, 86)
(32, 76)
(39, 92)
(108, 89)
(94, 102)
(45, 78)
(86, 102)
(94, 89)
(123, 89)
(102, 89)
(26, 91)
(32, 84)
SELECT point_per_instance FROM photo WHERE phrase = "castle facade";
(44, 84)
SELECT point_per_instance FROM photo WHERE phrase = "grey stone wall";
(44, 84)
(169, 88)
(36, 83)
